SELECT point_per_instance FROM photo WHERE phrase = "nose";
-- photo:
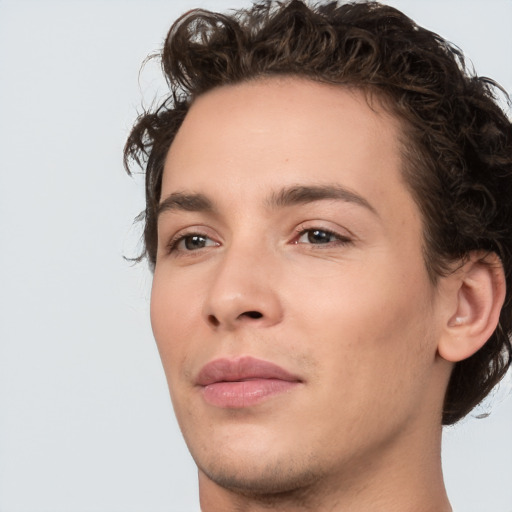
(243, 292)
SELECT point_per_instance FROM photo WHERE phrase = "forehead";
(278, 132)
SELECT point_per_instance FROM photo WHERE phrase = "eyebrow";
(181, 201)
(307, 194)
(290, 196)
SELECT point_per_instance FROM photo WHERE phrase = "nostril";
(252, 314)
(213, 320)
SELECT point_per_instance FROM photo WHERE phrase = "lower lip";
(240, 394)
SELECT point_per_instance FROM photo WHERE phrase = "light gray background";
(85, 420)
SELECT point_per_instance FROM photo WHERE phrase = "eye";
(316, 236)
(191, 242)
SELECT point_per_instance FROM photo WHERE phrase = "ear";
(478, 292)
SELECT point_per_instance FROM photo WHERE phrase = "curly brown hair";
(458, 147)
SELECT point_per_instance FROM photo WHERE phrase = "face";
(291, 305)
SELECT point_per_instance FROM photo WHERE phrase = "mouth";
(243, 382)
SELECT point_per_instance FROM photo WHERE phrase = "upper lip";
(243, 368)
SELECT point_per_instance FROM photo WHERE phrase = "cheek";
(367, 322)
(369, 345)
(174, 314)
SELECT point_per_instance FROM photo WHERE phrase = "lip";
(243, 382)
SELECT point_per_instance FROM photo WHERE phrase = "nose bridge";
(243, 289)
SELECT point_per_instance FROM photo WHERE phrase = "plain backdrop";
(86, 424)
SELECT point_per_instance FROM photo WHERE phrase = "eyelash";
(340, 240)
(172, 246)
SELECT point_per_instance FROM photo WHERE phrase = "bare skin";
(256, 259)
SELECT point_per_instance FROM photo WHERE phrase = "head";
(453, 142)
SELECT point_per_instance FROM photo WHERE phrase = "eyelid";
(171, 244)
(337, 240)
(342, 234)
(338, 231)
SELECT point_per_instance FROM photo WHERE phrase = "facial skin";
(333, 290)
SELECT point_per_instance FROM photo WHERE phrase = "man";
(329, 223)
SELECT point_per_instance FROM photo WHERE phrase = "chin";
(260, 477)
(251, 457)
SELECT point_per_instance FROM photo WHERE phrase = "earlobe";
(480, 293)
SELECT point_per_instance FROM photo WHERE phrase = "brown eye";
(191, 242)
(317, 236)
